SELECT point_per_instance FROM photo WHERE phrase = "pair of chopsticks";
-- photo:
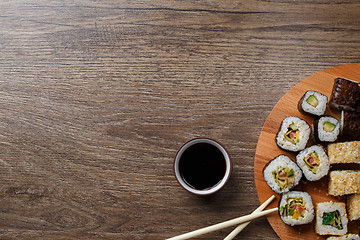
(243, 221)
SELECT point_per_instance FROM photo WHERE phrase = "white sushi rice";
(323, 167)
(304, 128)
(307, 215)
(281, 161)
(327, 207)
(320, 108)
(325, 136)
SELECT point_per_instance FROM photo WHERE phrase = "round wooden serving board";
(267, 149)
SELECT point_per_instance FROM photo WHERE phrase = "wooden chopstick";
(239, 228)
(222, 225)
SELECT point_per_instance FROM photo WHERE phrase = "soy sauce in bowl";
(202, 166)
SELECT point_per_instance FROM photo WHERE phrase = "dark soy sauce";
(202, 166)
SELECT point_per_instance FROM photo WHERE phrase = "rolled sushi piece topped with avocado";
(296, 208)
(326, 129)
(282, 174)
(293, 135)
(313, 103)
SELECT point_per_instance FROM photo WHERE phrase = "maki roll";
(345, 237)
(313, 103)
(313, 162)
(343, 182)
(331, 218)
(350, 124)
(293, 135)
(326, 129)
(282, 174)
(344, 152)
(353, 206)
(296, 208)
(345, 94)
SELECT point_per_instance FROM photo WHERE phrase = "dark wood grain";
(97, 96)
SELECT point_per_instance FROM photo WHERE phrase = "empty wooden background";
(96, 97)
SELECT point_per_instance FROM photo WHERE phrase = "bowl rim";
(216, 187)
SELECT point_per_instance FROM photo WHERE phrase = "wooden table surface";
(96, 97)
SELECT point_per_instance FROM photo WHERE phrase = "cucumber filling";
(292, 134)
(312, 101)
(328, 127)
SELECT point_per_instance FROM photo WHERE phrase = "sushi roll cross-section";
(331, 218)
(313, 162)
(282, 174)
(313, 103)
(296, 208)
(326, 129)
(293, 135)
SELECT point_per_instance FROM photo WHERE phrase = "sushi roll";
(313, 162)
(345, 237)
(353, 206)
(293, 135)
(326, 129)
(313, 103)
(345, 94)
(296, 208)
(331, 218)
(344, 152)
(350, 124)
(282, 174)
(343, 182)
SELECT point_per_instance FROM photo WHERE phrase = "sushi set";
(308, 155)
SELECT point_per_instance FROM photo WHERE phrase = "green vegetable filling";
(290, 172)
(292, 134)
(294, 207)
(312, 101)
(332, 219)
(284, 177)
(312, 161)
(328, 126)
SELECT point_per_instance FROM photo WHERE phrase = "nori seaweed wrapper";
(300, 109)
(315, 131)
(345, 94)
(303, 111)
(350, 124)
